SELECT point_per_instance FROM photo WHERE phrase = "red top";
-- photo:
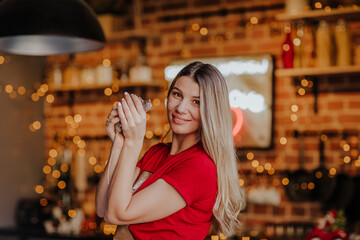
(193, 174)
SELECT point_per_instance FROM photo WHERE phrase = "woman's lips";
(179, 120)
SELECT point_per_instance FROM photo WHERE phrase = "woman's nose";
(182, 107)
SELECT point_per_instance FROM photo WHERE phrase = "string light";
(283, 140)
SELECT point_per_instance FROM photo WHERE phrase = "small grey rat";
(146, 105)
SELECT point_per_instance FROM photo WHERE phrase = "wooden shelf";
(131, 34)
(317, 71)
(349, 13)
(101, 87)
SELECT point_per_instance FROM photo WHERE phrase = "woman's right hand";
(112, 119)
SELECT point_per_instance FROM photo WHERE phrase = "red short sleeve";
(194, 179)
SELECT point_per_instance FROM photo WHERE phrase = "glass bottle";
(323, 45)
(288, 48)
(342, 43)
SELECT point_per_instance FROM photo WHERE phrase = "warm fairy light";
(254, 20)
(98, 168)
(46, 169)
(276, 182)
(318, 175)
(297, 41)
(357, 163)
(2, 59)
(72, 132)
(156, 102)
(92, 160)
(61, 184)
(43, 202)
(92, 225)
(214, 237)
(271, 171)
(267, 166)
(69, 119)
(255, 163)
(108, 91)
(245, 238)
(31, 128)
(37, 125)
(56, 174)
(354, 153)
(109, 229)
(283, 140)
(179, 35)
(39, 189)
(293, 117)
(40, 92)
(51, 161)
(323, 137)
(81, 144)
(35, 97)
(285, 181)
(158, 131)
(77, 118)
(53, 153)
(346, 147)
(241, 182)
(304, 82)
(81, 152)
(21, 90)
(13, 95)
(294, 108)
(311, 186)
(167, 127)
(311, 84)
(250, 156)
(260, 169)
(204, 31)
(64, 167)
(195, 27)
(76, 139)
(301, 91)
(286, 47)
(9, 88)
(106, 62)
(149, 134)
(327, 9)
(219, 39)
(222, 236)
(347, 159)
(50, 98)
(72, 213)
(332, 171)
(147, 116)
(303, 185)
(318, 5)
(229, 35)
(115, 87)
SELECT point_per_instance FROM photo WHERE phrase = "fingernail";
(123, 99)
(126, 93)
(119, 104)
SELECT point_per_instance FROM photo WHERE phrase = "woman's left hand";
(132, 117)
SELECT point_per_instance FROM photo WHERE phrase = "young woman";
(185, 186)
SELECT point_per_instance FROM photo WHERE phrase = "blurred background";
(293, 70)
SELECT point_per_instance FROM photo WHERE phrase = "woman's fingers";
(139, 105)
(123, 119)
(131, 105)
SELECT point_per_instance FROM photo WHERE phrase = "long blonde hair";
(218, 142)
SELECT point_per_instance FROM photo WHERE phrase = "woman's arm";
(154, 202)
(104, 183)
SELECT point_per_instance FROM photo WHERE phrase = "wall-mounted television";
(250, 81)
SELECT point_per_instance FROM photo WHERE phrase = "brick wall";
(229, 34)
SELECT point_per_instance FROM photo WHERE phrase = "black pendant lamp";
(48, 27)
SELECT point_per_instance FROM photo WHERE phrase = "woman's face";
(183, 107)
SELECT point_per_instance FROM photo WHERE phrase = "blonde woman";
(180, 188)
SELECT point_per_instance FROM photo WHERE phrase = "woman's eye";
(177, 94)
(197, 102)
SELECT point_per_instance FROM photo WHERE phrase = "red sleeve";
(148, 154)
(194, 179)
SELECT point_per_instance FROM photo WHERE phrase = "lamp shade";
(48, 27)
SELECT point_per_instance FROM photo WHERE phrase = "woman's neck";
(182, 142)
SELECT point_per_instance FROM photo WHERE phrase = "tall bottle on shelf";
(323, 45)
(342, 39)
(288, 48)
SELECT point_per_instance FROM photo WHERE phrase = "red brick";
(354, 104)
(237, 49)
(298, 211)
(174, 6)
(171, 30)
(205, 3)
(257, 34)
(208, 51)
(261, 209)
(349, 118)
(335, 105)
